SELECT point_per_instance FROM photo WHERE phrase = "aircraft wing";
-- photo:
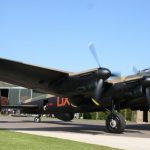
(125, 82)
(128, 79)
(29, 76)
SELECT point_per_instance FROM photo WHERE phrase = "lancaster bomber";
(92, 90)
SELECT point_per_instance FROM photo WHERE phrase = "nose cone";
(104, 73)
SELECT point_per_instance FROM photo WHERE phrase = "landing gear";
(37, 119)
(115, 123)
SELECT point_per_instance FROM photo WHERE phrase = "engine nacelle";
(146, 81)
(65, 116)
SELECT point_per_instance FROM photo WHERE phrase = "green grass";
(19, 141)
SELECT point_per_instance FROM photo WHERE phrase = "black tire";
(115, 123)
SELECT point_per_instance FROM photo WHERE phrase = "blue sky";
(56, 33)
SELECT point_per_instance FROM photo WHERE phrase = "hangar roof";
(6, 85)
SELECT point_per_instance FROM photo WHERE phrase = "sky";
(56, 33)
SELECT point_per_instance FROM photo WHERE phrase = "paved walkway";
(128, 143)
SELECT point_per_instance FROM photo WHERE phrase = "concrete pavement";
(136, 136)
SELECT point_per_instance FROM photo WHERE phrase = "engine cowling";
(146, 84)
(65, 116)
(148, 96)
(146, 81)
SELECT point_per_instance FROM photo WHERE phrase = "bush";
(87, 116)
(127, 113)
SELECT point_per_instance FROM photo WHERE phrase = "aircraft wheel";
(115, 123)
(37, 119)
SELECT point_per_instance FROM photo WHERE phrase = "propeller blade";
(99, 88)
(135, 70)
(93, 51)
(115, 74)
(148, 96)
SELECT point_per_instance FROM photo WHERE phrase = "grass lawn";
(19, 141)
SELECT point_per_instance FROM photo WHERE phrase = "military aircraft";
(90, 89)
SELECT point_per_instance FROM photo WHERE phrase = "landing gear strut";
(115, 122)
(37, 119)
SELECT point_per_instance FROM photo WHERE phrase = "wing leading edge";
(29, 76)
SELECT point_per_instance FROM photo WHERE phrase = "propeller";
(99, 89)
(94, 54)
(93, 51)
(146, 84)
(103, 73)
(100, 82)
(148, 96)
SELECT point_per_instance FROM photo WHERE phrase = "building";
(14, 95)
(141, 116)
